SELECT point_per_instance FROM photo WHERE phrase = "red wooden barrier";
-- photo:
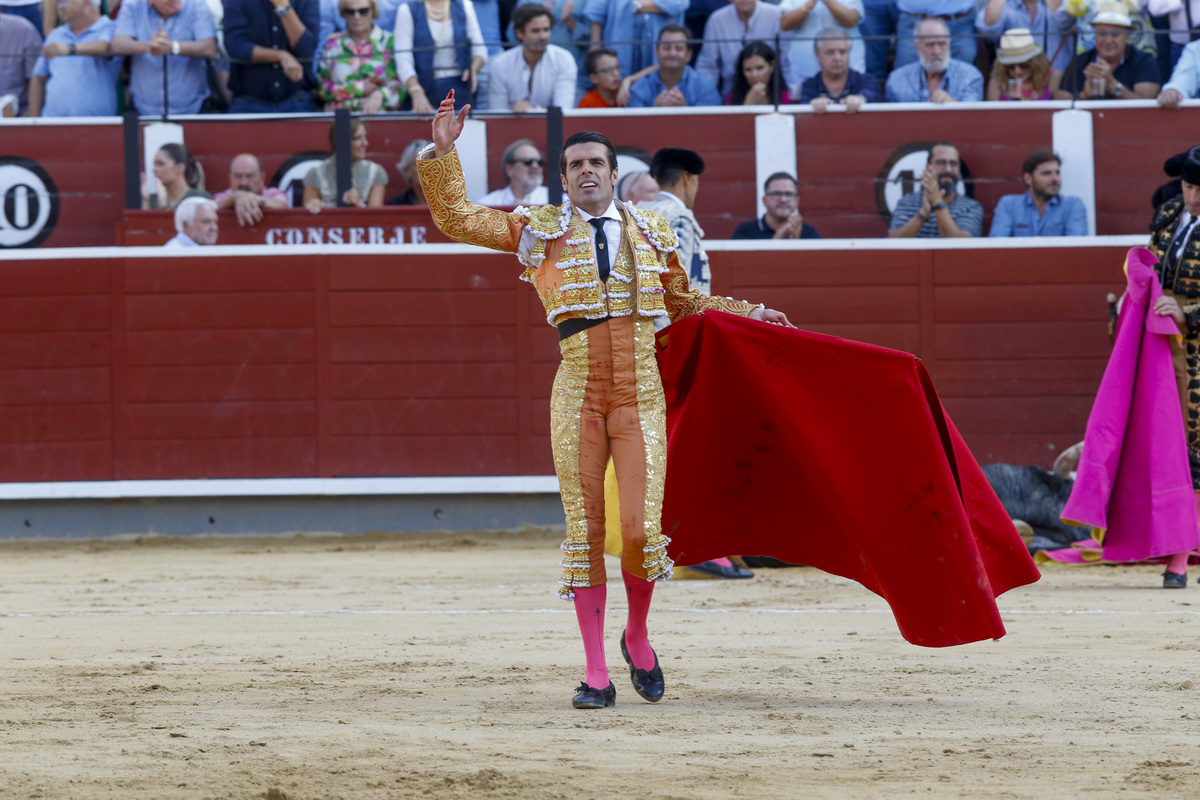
(1130, 149)
(840, 159)
(434, 361)
(385, 225)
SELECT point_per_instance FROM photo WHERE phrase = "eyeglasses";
(529, 162)
(782, 195)
(608, 70)
(945, 162)
(357, 12)
(1110, 34)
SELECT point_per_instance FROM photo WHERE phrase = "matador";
(604, 272)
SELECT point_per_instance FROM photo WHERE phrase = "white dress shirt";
(181, 239)
(506, 197)
(612, 236)
(612, 230)
(1182, 232)
(551, 82)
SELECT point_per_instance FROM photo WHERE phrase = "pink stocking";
(1178, 563)
(589, 610)
(637, 642)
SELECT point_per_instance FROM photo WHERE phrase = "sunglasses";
(357, 12)
(530, 162)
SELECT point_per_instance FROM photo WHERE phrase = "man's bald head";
(246, 171)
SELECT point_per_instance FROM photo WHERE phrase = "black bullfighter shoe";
(648, 684)
(587, 697)
(1173, 580)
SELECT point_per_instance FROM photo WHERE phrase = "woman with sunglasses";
(1021, 71)
(357, 67)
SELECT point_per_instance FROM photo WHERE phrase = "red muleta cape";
(821, 451)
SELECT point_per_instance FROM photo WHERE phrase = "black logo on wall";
(901, 175)
(28, 203)
(290, 175)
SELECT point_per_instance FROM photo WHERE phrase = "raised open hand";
(447, 126)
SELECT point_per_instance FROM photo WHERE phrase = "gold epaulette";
(657, 230)
(548, 222)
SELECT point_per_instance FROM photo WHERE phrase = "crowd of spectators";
(174, 57)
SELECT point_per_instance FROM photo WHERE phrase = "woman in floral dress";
(357, 66)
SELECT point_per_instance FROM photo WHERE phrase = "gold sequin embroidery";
(455, 215)
(566, 411)
(652, 413)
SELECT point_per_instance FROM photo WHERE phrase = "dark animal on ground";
(1036, 496)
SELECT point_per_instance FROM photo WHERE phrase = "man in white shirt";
(535, 75)
(523, 164)
(195, 223)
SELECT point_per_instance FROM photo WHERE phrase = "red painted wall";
(839, 159)
(387, 225)
(353, 364)
(1130, 150)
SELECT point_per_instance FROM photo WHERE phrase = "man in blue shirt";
(182, 32)
(1041, 211)
(674, 83)
(629, 27)
(75, 76)
(935, 77)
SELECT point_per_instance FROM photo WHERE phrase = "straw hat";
(1112, 14)
(1017, 46)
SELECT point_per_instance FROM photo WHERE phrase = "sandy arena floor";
(443, 666)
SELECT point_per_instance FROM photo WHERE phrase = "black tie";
(601, 247)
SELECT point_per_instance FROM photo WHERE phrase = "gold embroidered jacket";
(647, 278)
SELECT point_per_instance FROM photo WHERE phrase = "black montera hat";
(1189, 170)
(670, 158)
(1173, 166)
